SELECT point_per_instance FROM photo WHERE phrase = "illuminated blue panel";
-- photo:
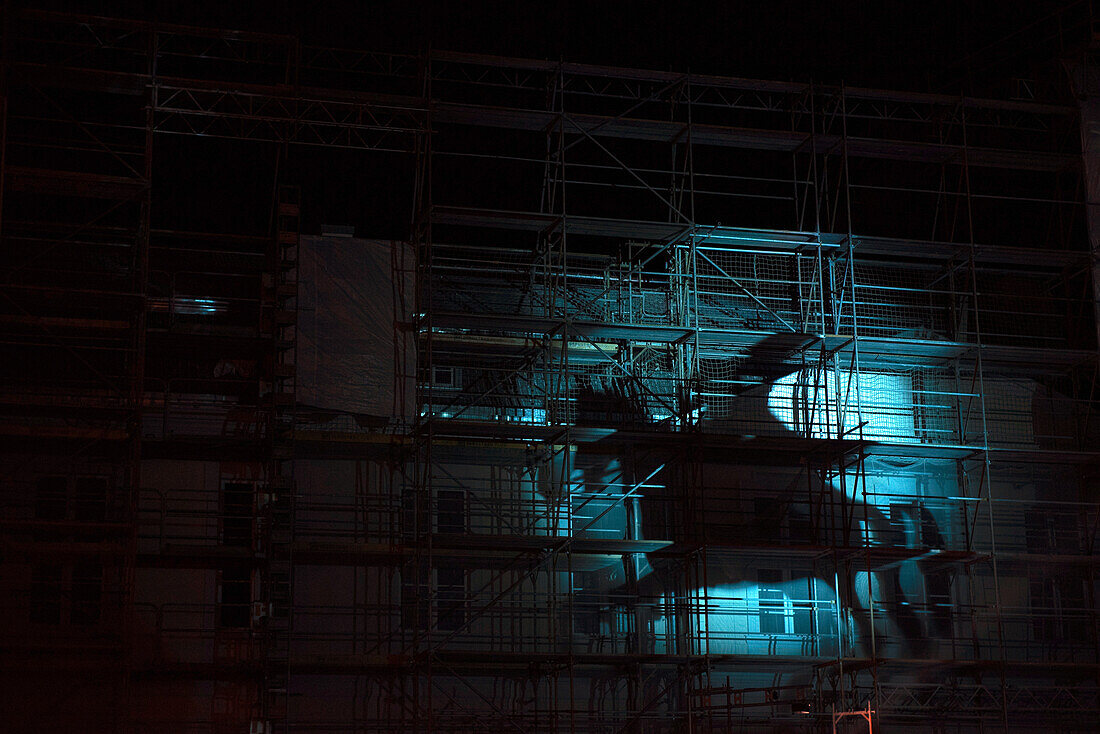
(197, 306)
(770, 616)
(817, 403)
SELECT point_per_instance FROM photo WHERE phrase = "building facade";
(683, 404)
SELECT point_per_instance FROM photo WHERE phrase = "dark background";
(205, 184)
(912, 44)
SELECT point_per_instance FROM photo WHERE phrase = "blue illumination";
(795, 616)
(197, 306)
(823, 404)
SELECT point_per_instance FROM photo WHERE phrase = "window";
(87, 501)
(236, 514)
(234, 598)
(87, 593)
(902, 526)
(930, 534)
(1051, 530)
(51, 498)
(938, 586)
(450, 598)
(771, 601)
(1058, 610)
(783, 610)
(767, 522)
(826, 612)
(801, 524)
(804, 610)
(416, 601)
(279, 585)
(443, 376)
(415, 596)
(45, 607)
(451, 511)
(90, 499)
(66, 595)
(414, 513)
(586, 610)
(1045, 624)
(1075, 610)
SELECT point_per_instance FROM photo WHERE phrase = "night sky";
(911, 45)
(922, 46)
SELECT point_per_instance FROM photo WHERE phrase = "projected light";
(812, 403)
(765, 617)
(197, 306)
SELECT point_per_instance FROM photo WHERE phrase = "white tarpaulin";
(356, 348)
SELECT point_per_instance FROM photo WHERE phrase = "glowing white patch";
(823, 404)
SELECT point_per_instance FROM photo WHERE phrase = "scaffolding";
(718, 404)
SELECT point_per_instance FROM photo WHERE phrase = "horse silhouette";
(617, 405)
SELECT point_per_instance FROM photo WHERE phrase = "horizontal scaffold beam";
(756, 240)
(787, 141)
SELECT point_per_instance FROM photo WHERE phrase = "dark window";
(281, 594)
(414, 513)
(930, 535)
(237, 498)
(415, 597)
(801, 526)
(771, 601)
(50, 498)
(90, 499)
(938, 586)
(1045, 617)
(45, 607)
(1075, 615)
(767, 522)
(1058, 610)
(451, 598)
(87, 593)
(586, 619)
(451, 511)
(235, 598)
(586, 609)
(1051, 531)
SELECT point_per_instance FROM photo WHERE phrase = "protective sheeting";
(356, 347)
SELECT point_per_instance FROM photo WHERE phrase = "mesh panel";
(739, 290)
(895, 302)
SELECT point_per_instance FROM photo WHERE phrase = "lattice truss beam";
(985, 701)
(285, 118)
(234, 85)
